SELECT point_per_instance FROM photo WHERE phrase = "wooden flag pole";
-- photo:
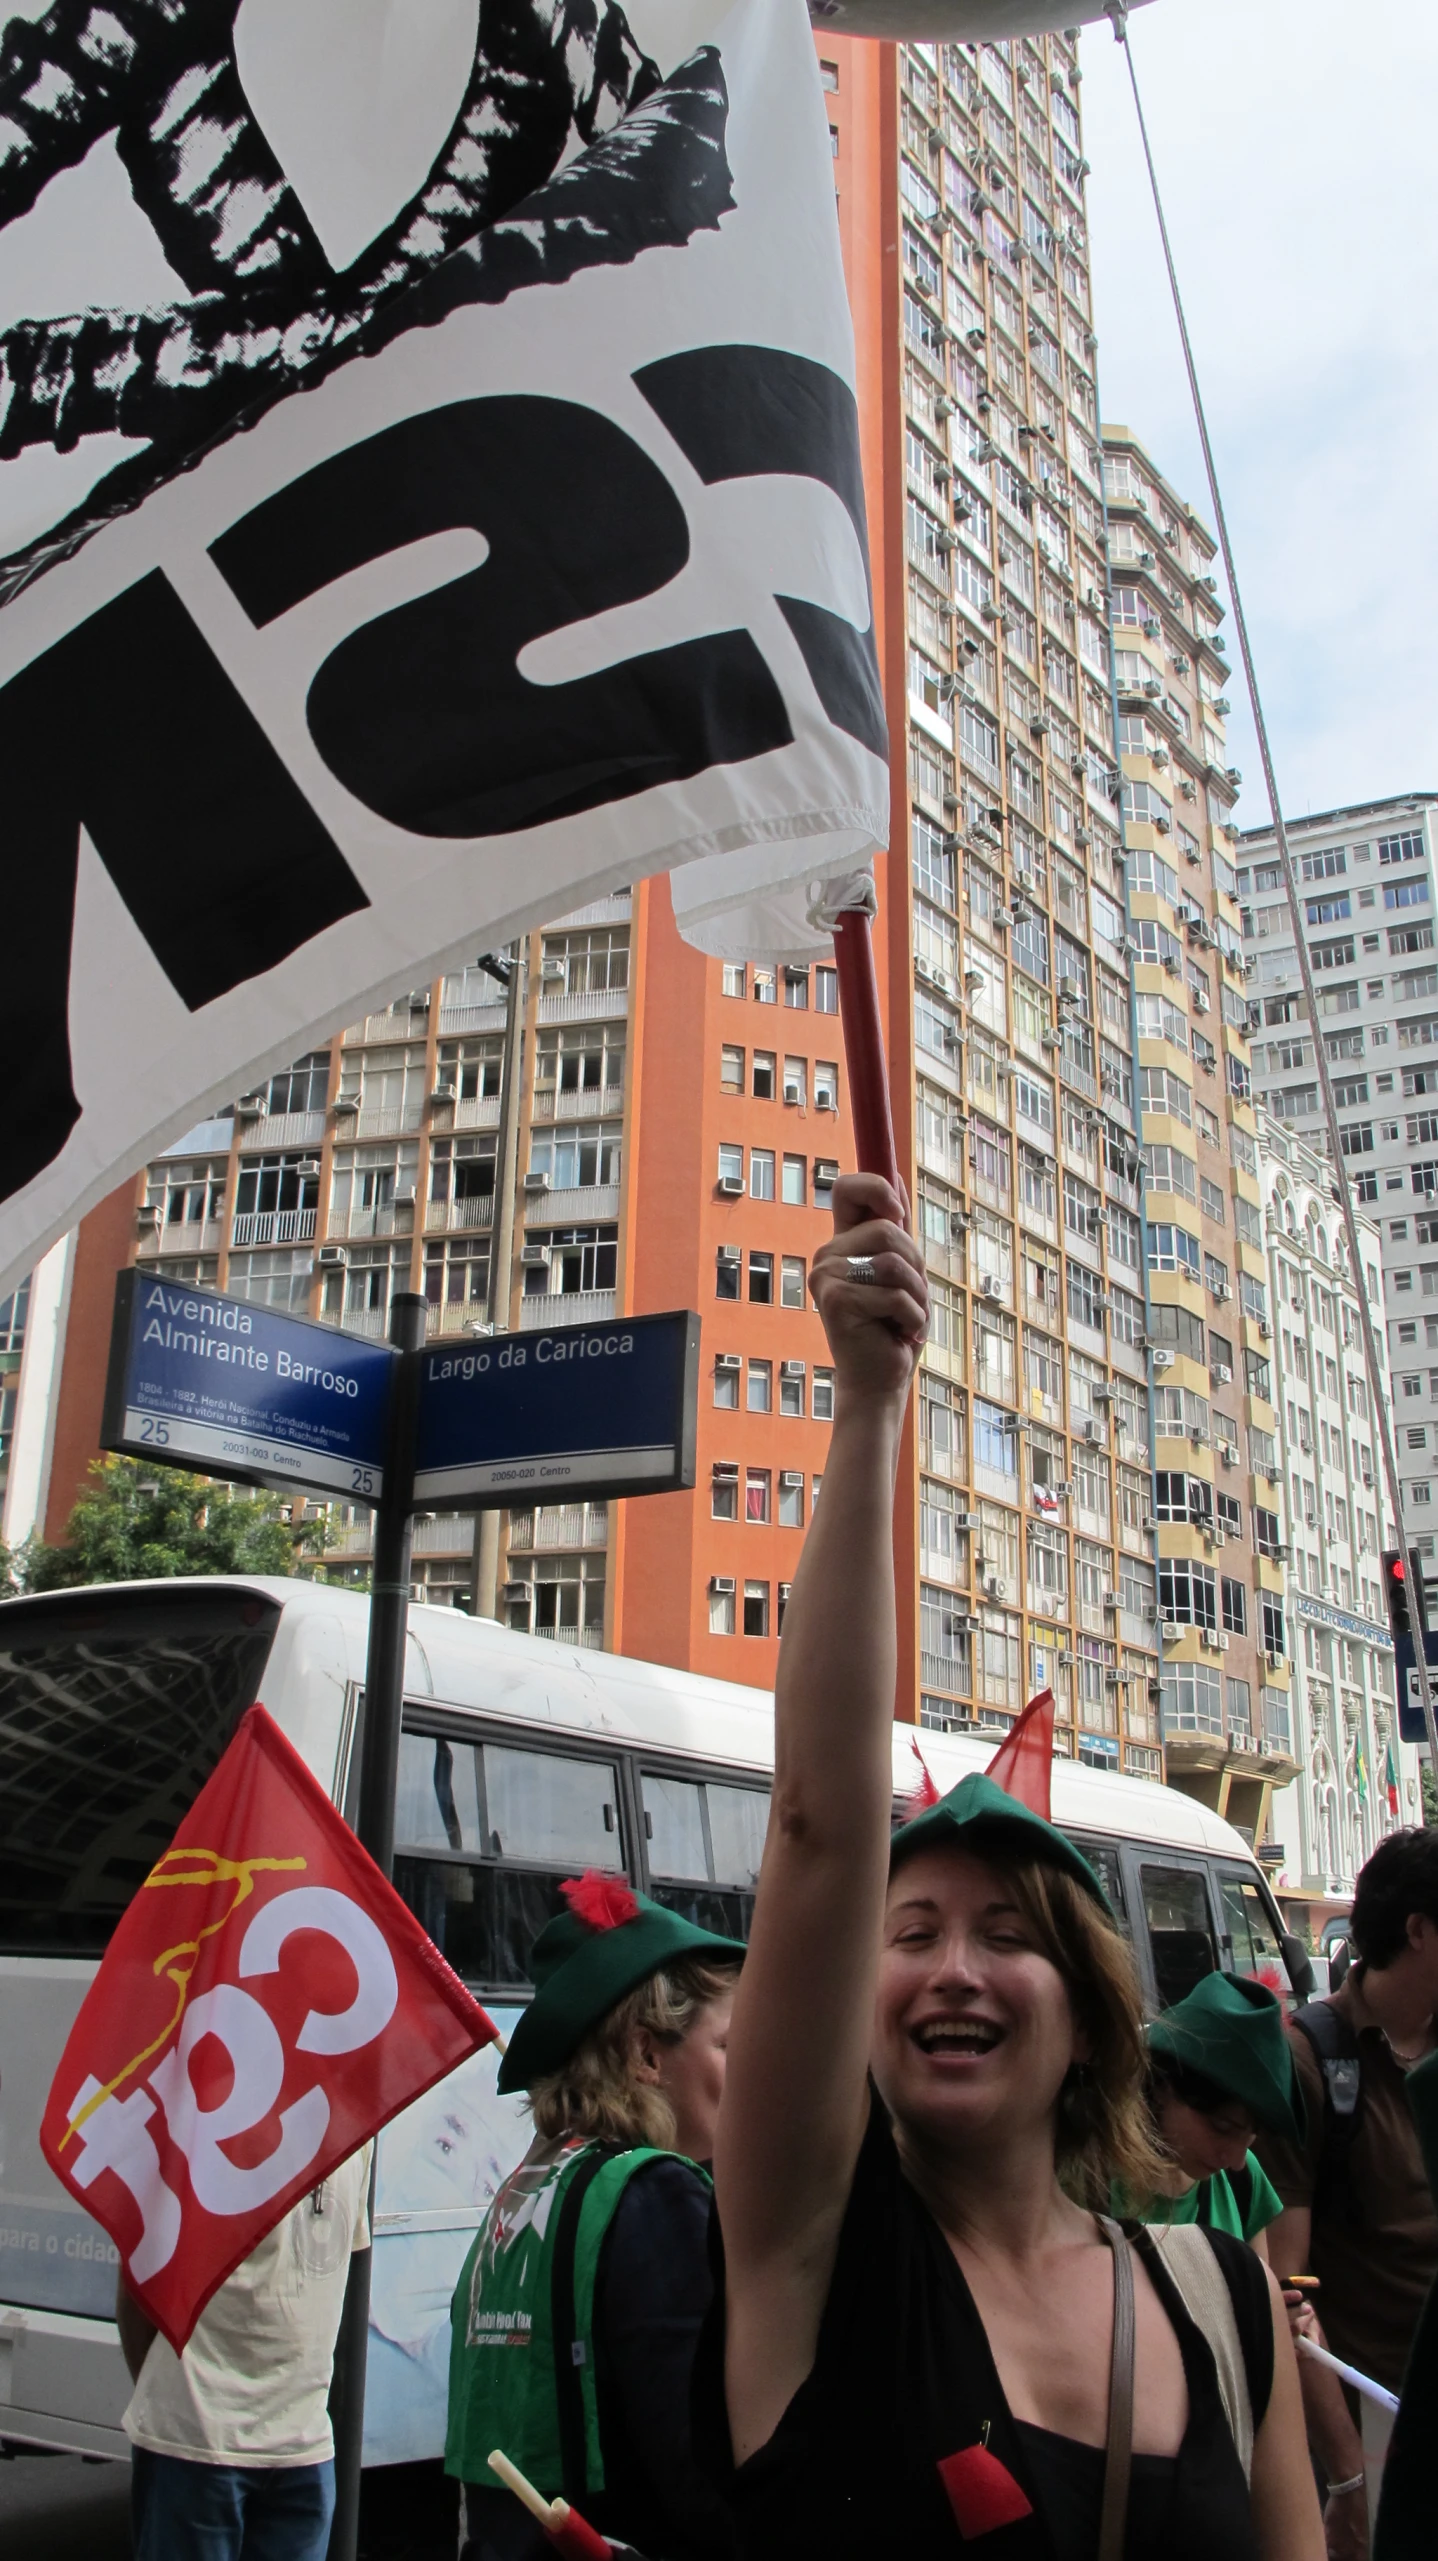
(864, 1045)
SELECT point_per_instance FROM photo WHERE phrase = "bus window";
(1256, 1946)
(1180, 1931)
(705, 1842)
(114, 1709)
(1107, 1866)
(521, 1821)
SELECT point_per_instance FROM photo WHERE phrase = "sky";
(1292, 140)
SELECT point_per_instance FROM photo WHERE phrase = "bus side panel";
(439, 2165)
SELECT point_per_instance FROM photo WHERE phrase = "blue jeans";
(222, 2512)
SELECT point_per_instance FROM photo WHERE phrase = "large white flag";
(427, 590)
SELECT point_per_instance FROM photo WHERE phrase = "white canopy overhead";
(954, 21)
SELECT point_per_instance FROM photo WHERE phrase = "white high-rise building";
(1369, 896)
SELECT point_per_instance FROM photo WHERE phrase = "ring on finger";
(860, 1267)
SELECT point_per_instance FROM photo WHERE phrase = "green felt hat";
(981, 1816)
(608, 1942)
(1230, 2029)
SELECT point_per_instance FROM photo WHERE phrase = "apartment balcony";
(559, 1525)
(945, 1672)
(183, 1236)
(283, 1129)
(398, 1022)
(274, 1227)
(601, 1005)
(592, 1102)
(475, 1214)
(455, 1316)
(386, 1218)
(392, 1122)
(616, 909)
(565, 1307)
(473, 1111)
(368, 1324)
(581, 1208)
(471, 1018)
(590, 1640)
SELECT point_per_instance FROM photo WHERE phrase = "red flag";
(266, 2004)
(1023, 1763)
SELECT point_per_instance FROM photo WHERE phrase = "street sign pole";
(374, 1827)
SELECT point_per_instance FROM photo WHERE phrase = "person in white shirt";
(232, 2457)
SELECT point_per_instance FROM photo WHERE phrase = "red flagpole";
(864, 1046)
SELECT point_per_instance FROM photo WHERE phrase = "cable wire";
(1118, 13)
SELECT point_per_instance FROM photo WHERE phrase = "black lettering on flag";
(739, 412)
(423, 713)
(130, 727)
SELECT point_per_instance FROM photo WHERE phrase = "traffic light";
(1397, 1591)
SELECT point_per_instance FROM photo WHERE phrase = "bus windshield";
(114, 1709)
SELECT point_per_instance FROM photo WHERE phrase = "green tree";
(1430, 1796)
(135, 1524)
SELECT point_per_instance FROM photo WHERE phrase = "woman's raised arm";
(795, 2095)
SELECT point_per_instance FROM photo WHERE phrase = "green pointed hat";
(1229, 2029)
(981, 1816)
(605, 1944)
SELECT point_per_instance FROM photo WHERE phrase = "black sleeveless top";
(900, 2439)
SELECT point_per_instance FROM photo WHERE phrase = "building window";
(762, 1077)
(761, 1173)
(822, 1406)
(731, 1164)
(760, 1395)
(791, 1501)
(734, 985)
(791, 1391)
(761, 1280)
(756, 1609)
(1235, 1606)
(795, 1168)
(791, 1280)
(726, 1384)
(826, 1085)
(826, 991)
(724, 1491)
(727, 1269)
(731, 1069)
(756, 1495)
(1272, 1631)
(796, 988)
(721, 1601)
(1192, 1700)
(1186, 1592)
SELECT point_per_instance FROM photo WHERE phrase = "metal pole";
(501, 1255)
(374, 1828)
(1343, 1190)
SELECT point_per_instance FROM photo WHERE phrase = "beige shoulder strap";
(1194, 2268)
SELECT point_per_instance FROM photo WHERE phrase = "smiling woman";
(926, 2330)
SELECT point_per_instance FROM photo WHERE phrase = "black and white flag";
(464, 518)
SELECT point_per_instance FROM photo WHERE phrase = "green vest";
(502, 2391)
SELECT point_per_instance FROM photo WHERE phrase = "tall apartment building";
(1368, 891)
(1331, 1505)
(1225, 1679)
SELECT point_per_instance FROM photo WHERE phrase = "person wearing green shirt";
(1219, 2071)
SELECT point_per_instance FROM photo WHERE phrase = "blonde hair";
(1104, 2138)
(595, 2093)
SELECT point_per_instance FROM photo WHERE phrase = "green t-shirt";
(1245, 2211)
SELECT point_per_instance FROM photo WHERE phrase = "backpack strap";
(1336, 2047)
(569, 2351)
(1212, 2291)
(1241, 2182)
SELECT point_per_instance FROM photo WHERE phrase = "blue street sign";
(1410, 1703)
(607, 1408)
(244, 1391)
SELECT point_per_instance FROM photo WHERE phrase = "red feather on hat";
(923, 1793)
(601, 1902)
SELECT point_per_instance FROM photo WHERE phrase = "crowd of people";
(900, 2227)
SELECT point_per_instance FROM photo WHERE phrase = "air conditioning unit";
(1221, 1371)
(793, 1093)
(1104, 1393)
(826, 1170)
(551, 971)
(721, 1582)
(1092, 1430)
(726, 1470)
(792, 1369)
(995, 1588)
(730, 1254)
(732, 1186)
(346, 1102)
(536, 1182)
(250, 1107)
(1275, 1662)
(1111, 1600)
(727, 1360)
(405, 1196)
(1149, 1522)
(534, 1257)
(1173, 964)
(1265, 1329)
(958, 1224)
(1164, 1360)
(790, 1476)
(1051, 1037)
(1199, 1437)
(332, 1257)
(442, 1094)
(515, 1591)
(990, 1287)
(1170, 1632)
(147, 1217)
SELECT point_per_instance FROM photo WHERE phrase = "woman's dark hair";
(1401, 1877)
(1193, 2089)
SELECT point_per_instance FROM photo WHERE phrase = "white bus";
(521, 1762)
